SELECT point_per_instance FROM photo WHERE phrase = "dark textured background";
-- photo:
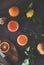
(25, 26)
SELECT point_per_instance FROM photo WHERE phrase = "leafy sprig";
(28, 60)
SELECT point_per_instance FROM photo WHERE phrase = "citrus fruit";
(22, 40)
(14, 11)
(30, 13)
(4, 47)
(40, 48)
(13, 26)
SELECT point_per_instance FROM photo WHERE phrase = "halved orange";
(40, 48)
(22, 40)
(14, 11)
(13, 26)
(4, 47)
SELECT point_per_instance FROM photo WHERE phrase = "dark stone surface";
(25, 26)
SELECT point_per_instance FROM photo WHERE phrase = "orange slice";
(13, 26)
(4, 47)
(14, 11)
(40, 48)
(22, 40)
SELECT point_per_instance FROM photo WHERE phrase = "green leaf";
(28, 48)
(30, 5)
(23, 63)
(26, 62)
(26, 53)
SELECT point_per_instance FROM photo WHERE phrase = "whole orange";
(14, 11)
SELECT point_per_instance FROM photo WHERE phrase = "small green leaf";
(30, 5)
(23, 63)
(26, 62)
(28, 48)
(26, 53)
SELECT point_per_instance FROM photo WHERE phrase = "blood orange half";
(13, 26)
(4, 47)
(22, 40)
